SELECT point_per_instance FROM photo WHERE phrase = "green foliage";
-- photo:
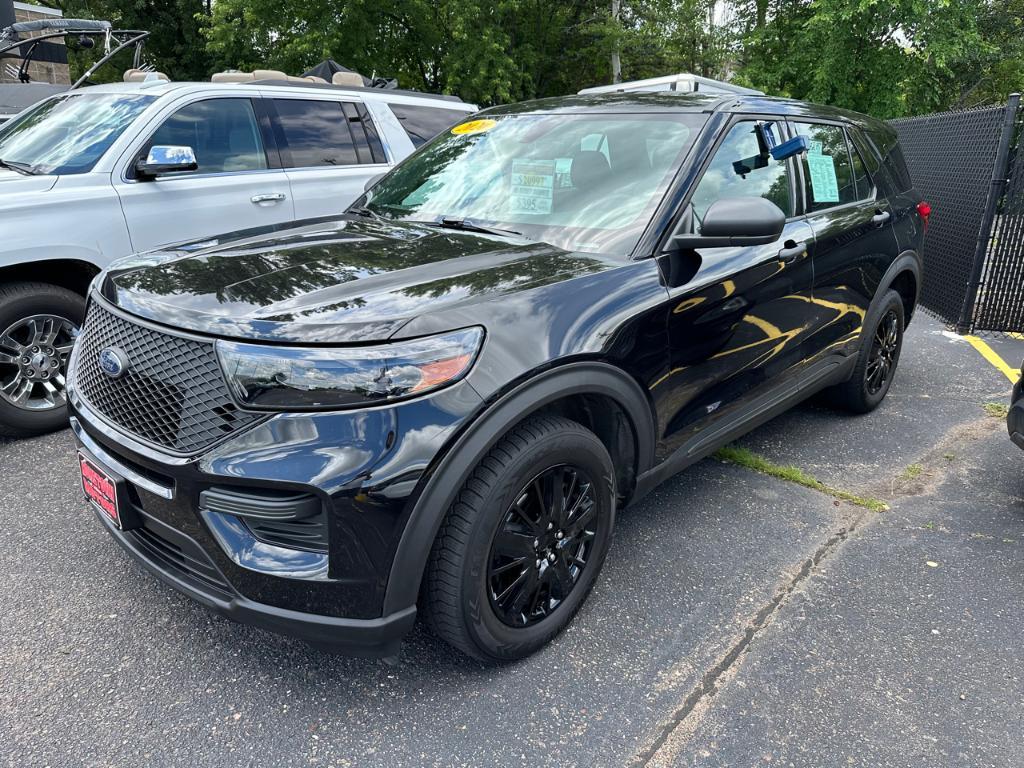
(174, 45)
(884, 57)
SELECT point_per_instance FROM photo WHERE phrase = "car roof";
(163, 87)
(671, 101)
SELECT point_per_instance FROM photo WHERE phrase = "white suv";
(76, 191)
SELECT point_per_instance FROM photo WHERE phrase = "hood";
(341, 280)
(14, 183)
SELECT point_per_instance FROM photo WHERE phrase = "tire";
(19, 302)
(864, 390)
(468, 565)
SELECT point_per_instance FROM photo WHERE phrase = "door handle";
(880, 217)
(792, 251)
(272, 197)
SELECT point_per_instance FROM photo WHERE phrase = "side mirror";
(734, 221)
(162, 160)
(370, 182)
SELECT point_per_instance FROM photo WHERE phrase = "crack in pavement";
(709, 684)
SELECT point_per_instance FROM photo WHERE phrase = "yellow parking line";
(997, 362)
(1018, 336)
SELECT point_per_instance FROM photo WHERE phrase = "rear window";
(424, 123)
(886, 145)
(828, 170)
(314, 133)
(898, 168)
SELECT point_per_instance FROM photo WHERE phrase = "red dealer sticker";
(100, 489)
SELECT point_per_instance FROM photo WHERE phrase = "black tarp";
(328, 67)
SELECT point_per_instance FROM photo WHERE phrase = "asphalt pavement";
(740, 620)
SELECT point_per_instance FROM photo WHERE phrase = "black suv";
(439, 400)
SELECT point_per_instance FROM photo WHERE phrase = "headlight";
(292, 378)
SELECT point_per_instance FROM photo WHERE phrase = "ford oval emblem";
(113, 362)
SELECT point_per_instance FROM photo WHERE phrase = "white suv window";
(315, 133)
(223, 133)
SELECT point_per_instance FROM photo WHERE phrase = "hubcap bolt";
(35, 349)
(561, 535)
(551, 557)
(26, 360)
(550, 526)
(30, 373)
(538, 562)
(45, 374)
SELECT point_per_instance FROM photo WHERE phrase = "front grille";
(172, 394)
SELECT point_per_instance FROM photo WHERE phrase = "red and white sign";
(99, 488)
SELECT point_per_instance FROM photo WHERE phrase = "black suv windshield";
(586, 182)
(69, 134)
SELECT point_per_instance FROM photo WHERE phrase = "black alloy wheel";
(523, 544)
(877, 358)
(542, 545)
(884, 350)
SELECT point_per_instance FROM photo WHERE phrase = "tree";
(174, 45)
(883, 58)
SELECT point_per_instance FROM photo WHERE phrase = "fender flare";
(442, 483)
(908, 261)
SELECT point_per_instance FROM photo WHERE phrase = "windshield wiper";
(367, 213)
(468, 226)
(23, 168)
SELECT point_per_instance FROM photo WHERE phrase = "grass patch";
(744, 457)
(912, 472)
(997, 410)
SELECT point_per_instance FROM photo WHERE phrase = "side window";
(424, 123)
(828, 172)
(223, 133)
(742, 167)
(315, 133)
(860, 175)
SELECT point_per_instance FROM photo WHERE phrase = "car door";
(238, 184)
(738, 317)
(330, 148)
(854, 240)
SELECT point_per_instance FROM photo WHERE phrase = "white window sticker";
(824, 186)
(563, 172)
(813, 147)
(533, 183)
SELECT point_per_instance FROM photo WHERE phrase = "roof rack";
(684, 82)
(302, 83)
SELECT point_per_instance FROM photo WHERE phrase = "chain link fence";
(967, 166)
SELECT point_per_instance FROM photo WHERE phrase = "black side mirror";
(370, 182)
(734, 221)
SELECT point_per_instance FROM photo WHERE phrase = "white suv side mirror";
(163, 159)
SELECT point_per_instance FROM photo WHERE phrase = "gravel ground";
(740, 620)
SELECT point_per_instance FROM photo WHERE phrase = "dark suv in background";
(440, 400)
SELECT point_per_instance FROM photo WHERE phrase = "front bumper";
(1015, 420)
(178, 561)
(360, 465)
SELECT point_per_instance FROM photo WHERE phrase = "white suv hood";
(12, 182)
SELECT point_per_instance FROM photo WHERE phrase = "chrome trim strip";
(126, 472)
